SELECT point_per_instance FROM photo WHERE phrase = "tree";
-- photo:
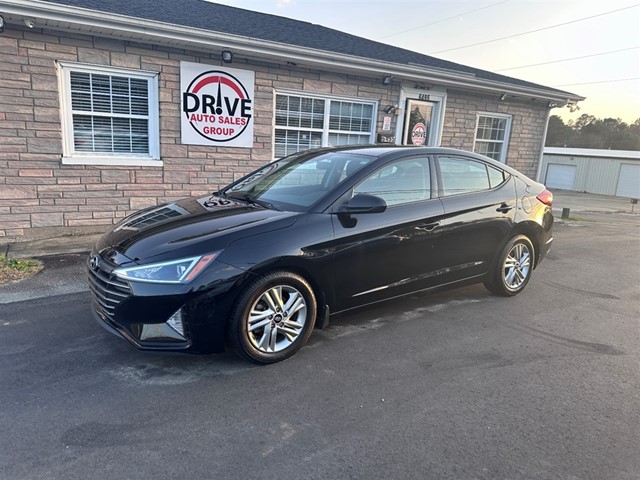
(591, 132)
(584, 120)
(558, 134)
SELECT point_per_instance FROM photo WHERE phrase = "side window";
(496, 177)
(460, 175)
(404, 181)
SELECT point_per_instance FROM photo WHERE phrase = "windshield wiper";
(252, 200)
(262, 203)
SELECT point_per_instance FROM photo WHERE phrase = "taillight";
(545, 197)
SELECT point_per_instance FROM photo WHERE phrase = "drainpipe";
(544, 140)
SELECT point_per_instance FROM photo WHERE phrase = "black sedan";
(257, 265)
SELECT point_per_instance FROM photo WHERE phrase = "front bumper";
(139, 312)
(133, 334)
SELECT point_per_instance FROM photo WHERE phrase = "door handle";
(504, 208)
(428, 227)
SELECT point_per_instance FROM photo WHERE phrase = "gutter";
(91, 21)
(593, 152)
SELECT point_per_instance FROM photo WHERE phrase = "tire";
(281, 302)
(512, 271)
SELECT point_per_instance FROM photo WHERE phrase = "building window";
(492, 135)
(304, 122)
(110, 116)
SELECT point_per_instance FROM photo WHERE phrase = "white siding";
(629, 181)
(594, 173)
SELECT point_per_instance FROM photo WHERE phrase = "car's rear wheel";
(512, 271)
(273, 318)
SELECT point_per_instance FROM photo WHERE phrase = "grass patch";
(16, 269)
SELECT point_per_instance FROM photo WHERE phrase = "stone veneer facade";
(40, 197)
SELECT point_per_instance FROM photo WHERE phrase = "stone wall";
(40, 197)
(36, 190)
(528, 120)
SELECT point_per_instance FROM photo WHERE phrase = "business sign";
(419, 134)
(216, 105)
(382, 138)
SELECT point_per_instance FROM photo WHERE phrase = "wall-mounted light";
(390, 108)
(227, 56)
(573, 107)
(502, 97)
(30, 22)
(386, 80)
(1, 24)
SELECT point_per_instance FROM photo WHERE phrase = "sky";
(608, 73)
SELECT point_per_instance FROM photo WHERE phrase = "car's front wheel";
(273, 318)
(512, 271)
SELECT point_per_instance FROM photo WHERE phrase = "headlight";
(174, 271)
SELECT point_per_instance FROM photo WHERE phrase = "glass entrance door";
(418, 122)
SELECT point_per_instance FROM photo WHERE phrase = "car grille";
(107, 291)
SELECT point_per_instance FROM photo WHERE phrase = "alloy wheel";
(276, 319)
(517, 266)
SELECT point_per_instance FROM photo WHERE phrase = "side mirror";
(364, 203)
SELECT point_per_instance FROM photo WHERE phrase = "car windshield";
(298, 181)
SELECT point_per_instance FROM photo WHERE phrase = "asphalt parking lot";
(456, 385)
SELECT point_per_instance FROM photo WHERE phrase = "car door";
(479, 203)
(380, 255)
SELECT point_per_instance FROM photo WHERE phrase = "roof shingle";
(246, 23)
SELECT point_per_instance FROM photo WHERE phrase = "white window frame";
(72, 157)
(327, 112)
(507, 133)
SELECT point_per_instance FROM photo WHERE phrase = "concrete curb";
(51, 246)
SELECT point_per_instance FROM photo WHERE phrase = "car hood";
(188, 227)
